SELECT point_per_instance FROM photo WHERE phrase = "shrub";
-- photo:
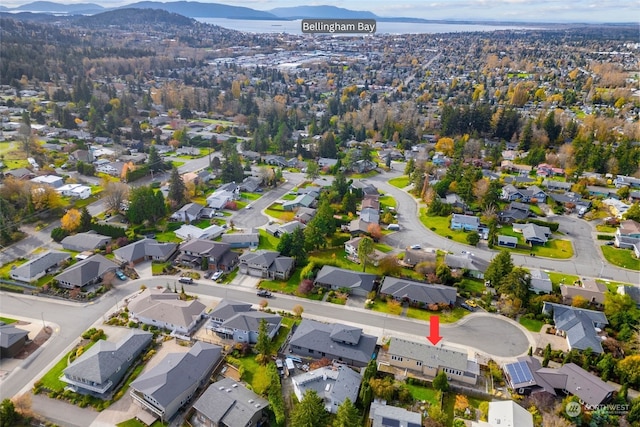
(305, 287)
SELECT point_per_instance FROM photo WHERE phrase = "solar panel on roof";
(388, 422)
(519, 373)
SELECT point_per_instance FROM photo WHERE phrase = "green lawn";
(473, 286)
(288, 197)
(133, 422)
(168, 235)
(276, 211)
(7, 320)
(536, 210)
(228, 278)
(400, 182)
(157, 268)
(621, 257)
(384, 307)
(440, 225)
(448, 316)
(532, 324)
(603, 228)
(285, 328)
(250, 196)
(555, 248)
(561, 278)
(267, 241)
(387, 201)
(51, 379)
(427, 394)
(382, 247)
(364, 175)
(288, 287)
(5, 269)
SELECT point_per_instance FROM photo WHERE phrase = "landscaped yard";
(621, 257)
(561, 278)
(421, 393)
(473, 286)
(168, 235)
(532, 325)
(400, 182)
(267, 241)
(386, 307)
(387, 201)
(5, 269)
(51, 379)
(441, 226)
(7, 321)
(554, 248)
(276, 211)
(447, 316)
(250, 196)
(603, 228)
(288, 287)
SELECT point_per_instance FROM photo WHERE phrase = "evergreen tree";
(365, 249)
(155, 162)
(263, 343)
(85, 220)
(284, 245)
(298, 250)
(347, 415)
(176, 194)
(499, 268)
(310, 411)
(526, 138)
(440, 382)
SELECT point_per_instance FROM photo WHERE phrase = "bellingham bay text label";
(366, 26)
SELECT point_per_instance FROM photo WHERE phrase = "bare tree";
(115, 193)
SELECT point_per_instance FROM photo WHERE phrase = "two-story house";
(208, 255)
(266, 264)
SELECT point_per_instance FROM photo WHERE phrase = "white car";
(217, 275)
(416, 247)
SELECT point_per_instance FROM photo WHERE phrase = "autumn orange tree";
(71, 220)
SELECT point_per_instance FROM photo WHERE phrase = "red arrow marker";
(434, 330)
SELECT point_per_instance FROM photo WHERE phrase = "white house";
(77, 191)
(188, 231)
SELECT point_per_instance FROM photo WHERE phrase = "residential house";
(383, 415)
(413, 257)
(540, 281)
(335, 278)
(508, 165)
(507, 241)
(145, 250)
(363, 166)
(468, 264)
(188, 213)
(533, 234)
(163, 308)
(228, 403)
(19, 173)
(544, 169)
(357, 227)
(603, 192)
(249, 240)
(301, 201)
(325, 162)
(616, 207)
(346, 344)
(515, 212)
(274, 160)
(188, 151)
(86, 272)
(239, 322)
(250, 184)
(370, 215)
(169, 385)
(351, 248)
(454, 201)
(266, 264)
(589, 289)
(38, 267)
(88, 241)
(304, 215)
(12, 341)
(533, 194)
(465, 222)
(201, 253)
(634, 196)
(632, 291)
(418, 292)
(77, 191)
(99, 370)
(251, 155)
(110, 168)
(429, 360)
(506, 413)
(189, 232)
(626, 181)
(553, 185)
(52, 181)
(219, 199)
(581, 327)
(628, 234)
(527, 376)
(334, 384)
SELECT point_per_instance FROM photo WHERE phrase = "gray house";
(219, 256)
(241, 240)
(334, 384)
(382, 415)
(336, 278)
(86, 272)
(227, 403)
(144, 250)
(580, 326)
(240, 322)
(88, 241)
(465, 222)
(38, 267)
(468, 263)
(418, 292)
(98, 371)
(12, 340)
(266, 264)
(163, 308)
(344, 343)
(169, 385)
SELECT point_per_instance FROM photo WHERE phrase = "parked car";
(471, 303)
(393, 227)
(208, 274)
(467, 307)
(121, 275)
(218, 274)
(609, 243)
(264, 293)
(416, 247)
(187, 280)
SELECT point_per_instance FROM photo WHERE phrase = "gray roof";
(431, 356)
(302, 200)
(241, 238)
(589, 388)
(102, 360)
(465, 219)
(418, 291)
(261, 257)
(205, 247)
(290, 227)
(416, 256)
(540, 280)
(327, 338)
(177, 373)
(467, 262)
(331, 383)
(342, 278)
(579, 325)
(534, 231)
(227, 308)
(632, 291)
(192, 209)
(145, 248)
(228, 403)
(401, 416)
(86, 270)
(85, 241)
(40, 264)
(166, 306)
(9, 334)
(250, 321)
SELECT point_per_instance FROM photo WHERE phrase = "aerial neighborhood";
(209, 227)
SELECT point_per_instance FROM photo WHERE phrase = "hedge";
(553, 226)
(606, 237)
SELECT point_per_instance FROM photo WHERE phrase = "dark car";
(187, 280)
(467, 307)
(264, 293)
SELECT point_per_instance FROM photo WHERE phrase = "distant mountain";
(130, 17)
(3, 8)
(48, 6)
(193, 9)
(321, 12)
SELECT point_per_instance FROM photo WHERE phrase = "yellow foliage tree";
(71, 220)
(461, 405)
(579, 301)
(445, 146)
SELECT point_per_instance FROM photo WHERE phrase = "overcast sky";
(516, 10)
